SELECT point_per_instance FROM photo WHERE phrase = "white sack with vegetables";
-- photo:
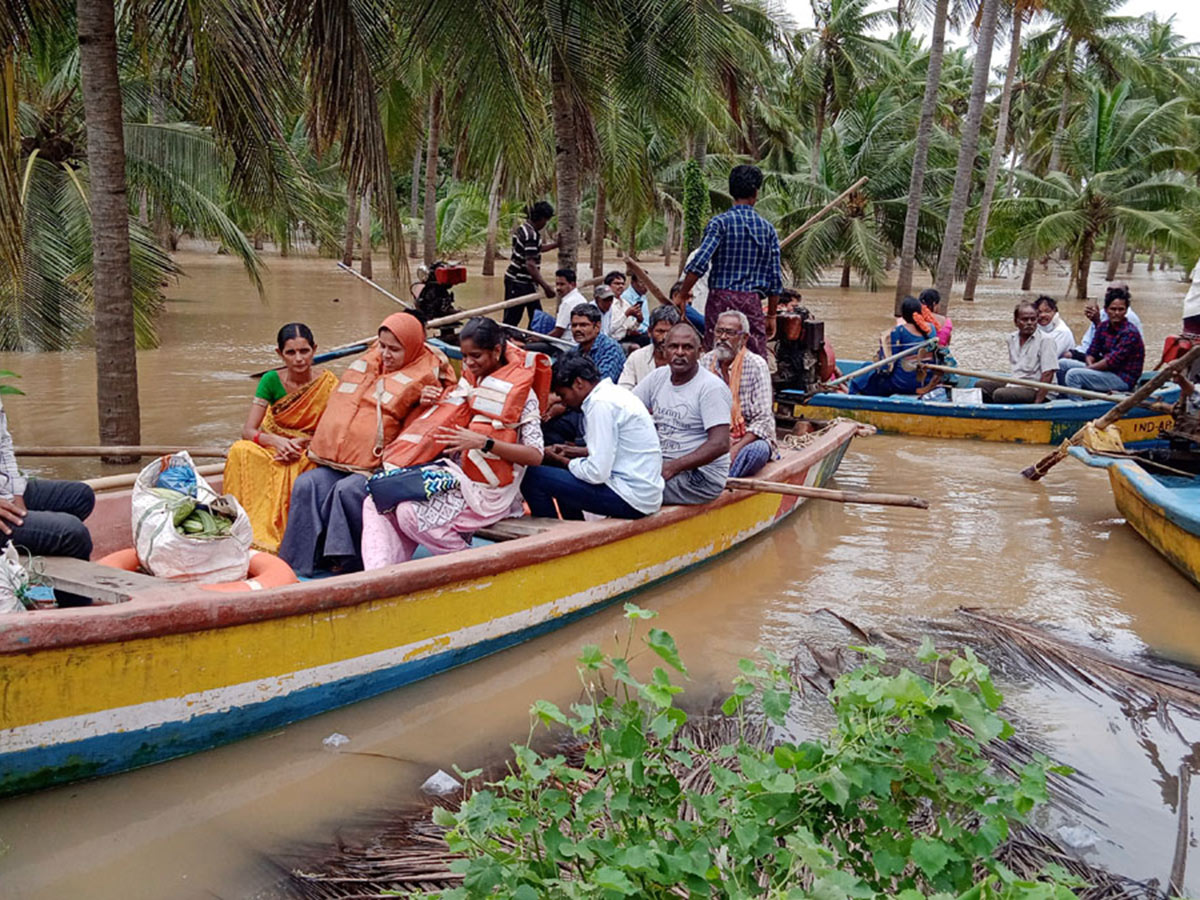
(183, 529)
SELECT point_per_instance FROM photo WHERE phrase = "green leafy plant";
(899, 800)
(695, 205)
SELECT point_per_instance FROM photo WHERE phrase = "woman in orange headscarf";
(263, 466)
(377, 391)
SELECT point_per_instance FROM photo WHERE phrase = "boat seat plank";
(103, 584)
(512, 529)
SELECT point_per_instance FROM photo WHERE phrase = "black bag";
(390, 488)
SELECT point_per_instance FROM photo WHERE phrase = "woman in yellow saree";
(262, 467)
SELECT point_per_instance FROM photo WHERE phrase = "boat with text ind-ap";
(1161, 502)
(1026, 423)
(156, 670)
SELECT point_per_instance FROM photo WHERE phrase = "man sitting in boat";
(1097, 316)
(620, 474)
(1031, 354)
(752, 418)
(376, 394)
(594, 344)
(691, 408)
(263, 466)
(902, 376)
(39, 516)
(1051, 324)
(644, 360)
(1116, 354)
(484, 433)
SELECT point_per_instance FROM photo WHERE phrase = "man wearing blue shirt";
(743, 250)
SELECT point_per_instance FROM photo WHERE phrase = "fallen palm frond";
(408, 853)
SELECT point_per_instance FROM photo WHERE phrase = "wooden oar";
(1156, 405)
(496, 307)
(815, 493)
(116, 482)
(382, 290)
(644, 278)
(136, 450)
(862, 370)
(817, 216)
(328, 355)
(538, 336)
(1046, 463)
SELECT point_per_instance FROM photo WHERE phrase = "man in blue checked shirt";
(743, 250)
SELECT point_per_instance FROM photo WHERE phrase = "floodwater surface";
(1055, 551)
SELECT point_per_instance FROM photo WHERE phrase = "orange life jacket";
(368, 408)
(491, 407)
(1176, 346)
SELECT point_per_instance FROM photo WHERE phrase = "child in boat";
(265, 463)
(376, 394)
(489, 430)
(901, 377)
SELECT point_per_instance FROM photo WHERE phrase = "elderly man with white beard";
(752, 425)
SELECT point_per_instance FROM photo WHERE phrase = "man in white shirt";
(620, 472)
(644, 360)
(1032, 355)
(691, 408)
(1051, 323)
(569, 296)
(614, 318)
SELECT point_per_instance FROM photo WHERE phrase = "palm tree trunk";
(916, 182)
(998, 153)
(1150, 264)
(845, 274)
(968, 144)
(1132, 257)
(116, 339)
(1116, 255)
(493, 225)
(633, 230)
(351, 226)
(566, 164)
(414, 196)
(1083, 265)
(1027, 278)
(1060, 128)
(364, 221)
(669, 243)
(598, 230)
(431, 166)
(816, 148)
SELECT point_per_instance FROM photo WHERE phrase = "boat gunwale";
(182, 609)
(1146, 486)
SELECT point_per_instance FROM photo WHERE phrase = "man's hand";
(769, 324)
(556, 455)
(669, 469)
(12, 514)
(1092, 311)
(556, 408)
(683, 298)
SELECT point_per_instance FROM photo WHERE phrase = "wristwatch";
(488, 445)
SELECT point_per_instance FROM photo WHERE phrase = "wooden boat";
(158, 670)
(1163, 508)
(1043, 423)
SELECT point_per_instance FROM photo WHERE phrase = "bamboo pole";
(1156, 405)
(820, 214)
(1046, 463)
(644, 277)
(136, 450)
(878, 364)
(327, 355)
(116, 482)
(408, 306)
(538, 336)
(496, 307)
(815, 493)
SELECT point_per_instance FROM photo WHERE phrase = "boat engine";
(436, 299)
(800, 345)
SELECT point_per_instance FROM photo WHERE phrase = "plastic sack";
(1107, 440)
(966, 396)
(165, 553)
(14, 581)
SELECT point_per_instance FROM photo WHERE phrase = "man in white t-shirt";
(1051, 323)
(691, 408)
(644, 360)
(1032, 355)
(569, 296)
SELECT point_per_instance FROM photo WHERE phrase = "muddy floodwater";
(1056, 551)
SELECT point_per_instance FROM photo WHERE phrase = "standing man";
(743, 249)
(620, 472)
(569, 297)
(752, 418)
(691, 409)
(524, 271)
(1032, 354)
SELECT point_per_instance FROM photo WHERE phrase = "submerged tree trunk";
(364, 220)
(351, 227)
(598, 231)
(414, 197)
(566, 164)
(845, 274)
(968, 144)
(1150, 263)
(1132, 257)
(112, 280)
(669, 241)
(1116, 255)
(1027, 278)
(1083, 264)
(998, 152)
(431, 166)
(916, 182)
(633, 230)
(493, 223)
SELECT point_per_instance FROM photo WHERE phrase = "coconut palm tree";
(1120, 173)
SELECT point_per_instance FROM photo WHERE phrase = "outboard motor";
(436, 299)
(800, 351)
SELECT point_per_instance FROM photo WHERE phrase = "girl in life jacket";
(483, 433)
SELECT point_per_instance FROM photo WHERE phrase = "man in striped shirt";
(524, 271)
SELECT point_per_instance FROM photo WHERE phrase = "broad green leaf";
(548, 712)
(614, 880)
(633, 612)
(930, 855)
(591, 656)
(663, 644)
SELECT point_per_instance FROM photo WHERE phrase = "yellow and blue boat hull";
(92, 691)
